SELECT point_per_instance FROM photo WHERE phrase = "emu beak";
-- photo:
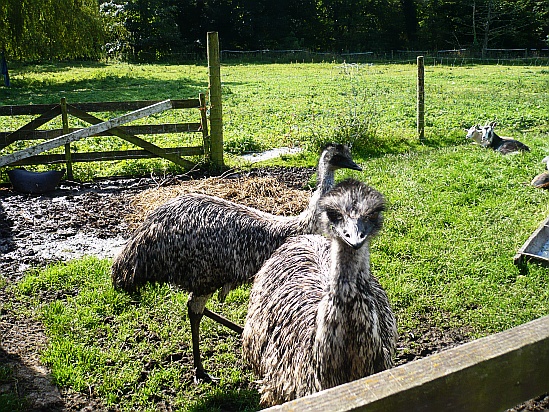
(344, 163)
(353, 232)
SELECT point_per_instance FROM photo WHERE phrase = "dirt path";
(89, 219)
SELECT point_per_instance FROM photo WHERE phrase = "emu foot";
(201, 376)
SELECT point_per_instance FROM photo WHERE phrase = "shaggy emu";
(503, 145)
(317, 317)
(204, 243)
(542, 180)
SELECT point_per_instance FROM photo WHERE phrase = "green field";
(457, 213)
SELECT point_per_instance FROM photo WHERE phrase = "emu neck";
(308, 219)
(346, 267)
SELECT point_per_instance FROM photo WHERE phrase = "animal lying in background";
(203, 244)
(475, 134)
(542, 180)
(503, 145)
(317, 317)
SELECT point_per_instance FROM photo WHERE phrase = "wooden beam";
(158, 151)
(420, 99)
(107, 156)
(32, 109)
(44, 118)
(88, 131)
(134, 129)
(489, 374)
(25, 109)
(216, 109)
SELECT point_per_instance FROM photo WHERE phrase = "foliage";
(241, 145)
(50, 29)
(149, 30)
(133, 350)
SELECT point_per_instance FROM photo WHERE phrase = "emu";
(203, 244)
(542, 180)
(317, 317)
(503, 145)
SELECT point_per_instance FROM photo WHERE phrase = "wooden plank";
(33, 109)
(27, 109)
(20, 133)
(216, 109)
(489, 374)
(204, 127)
(135, 129)
(107, 156)
(88, 131)
(132, 105)
(132, 138)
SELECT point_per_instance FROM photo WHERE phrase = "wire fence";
(444, 57)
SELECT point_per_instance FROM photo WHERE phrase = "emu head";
(474, 133)
(338, 156)
(352, 212)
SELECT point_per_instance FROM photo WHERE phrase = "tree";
(51, 29)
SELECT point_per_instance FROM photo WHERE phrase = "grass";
(457, 214)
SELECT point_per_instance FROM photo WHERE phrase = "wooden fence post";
(420, 98)
(206, 138)
(68, 155)
(216, 112)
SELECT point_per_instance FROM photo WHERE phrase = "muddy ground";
(80, 219)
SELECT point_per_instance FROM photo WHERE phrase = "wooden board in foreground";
(489, 374)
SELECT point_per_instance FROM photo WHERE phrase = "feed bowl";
(34, 182)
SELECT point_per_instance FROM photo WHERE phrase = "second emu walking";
(317, 318)
(204, 244)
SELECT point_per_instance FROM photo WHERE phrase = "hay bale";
(263, 193)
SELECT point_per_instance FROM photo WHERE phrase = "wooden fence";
(489, 374)
(211, 147)
(64, 136)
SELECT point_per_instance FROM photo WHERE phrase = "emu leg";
(224, 321)
(195, 308)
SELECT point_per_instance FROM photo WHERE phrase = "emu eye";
(334, 216)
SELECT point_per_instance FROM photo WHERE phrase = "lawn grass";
(457, 214)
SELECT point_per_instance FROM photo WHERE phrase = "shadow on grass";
(110, 87)
(15, 381)
(228, 401)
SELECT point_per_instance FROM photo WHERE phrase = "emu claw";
(202, 377)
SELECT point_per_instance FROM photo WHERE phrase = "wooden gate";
(113, 127)
(211, 147)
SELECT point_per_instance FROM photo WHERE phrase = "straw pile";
(263, 193)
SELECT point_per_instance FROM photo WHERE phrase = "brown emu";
(203, 244)
(317, 317)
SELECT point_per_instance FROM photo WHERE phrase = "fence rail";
(113, 127)
(489, 374)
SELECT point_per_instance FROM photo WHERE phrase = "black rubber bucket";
(26, 181)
